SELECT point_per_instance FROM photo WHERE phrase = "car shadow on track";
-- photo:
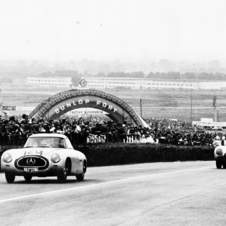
(55, 181)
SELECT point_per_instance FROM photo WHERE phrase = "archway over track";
(59, 104)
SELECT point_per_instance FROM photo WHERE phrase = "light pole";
(0, 101)
(191, 107)
(215, 108)
(141, 108)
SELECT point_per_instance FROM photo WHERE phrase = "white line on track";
(99, 184)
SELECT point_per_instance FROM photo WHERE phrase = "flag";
(214, 101)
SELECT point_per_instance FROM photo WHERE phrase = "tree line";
(77, 76)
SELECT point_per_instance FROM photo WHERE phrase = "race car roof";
(48, 135)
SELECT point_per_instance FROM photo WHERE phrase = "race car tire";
(62, 175)
(10, 177)
(218, 165)
(27, 178)
(80, 177)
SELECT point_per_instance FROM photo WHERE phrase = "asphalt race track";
(178, 193)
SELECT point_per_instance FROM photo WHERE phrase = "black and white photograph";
(112, 112)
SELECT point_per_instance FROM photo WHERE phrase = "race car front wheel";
(218, 164)
(62, 175)
(27, 178)
(10, 177)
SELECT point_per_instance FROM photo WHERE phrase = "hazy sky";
(128, 30)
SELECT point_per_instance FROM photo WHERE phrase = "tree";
(76, 78)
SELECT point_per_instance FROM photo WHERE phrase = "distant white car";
(44, 155)
(220, 156)
(148, 139)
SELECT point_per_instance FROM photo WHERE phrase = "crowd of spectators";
(15, 131)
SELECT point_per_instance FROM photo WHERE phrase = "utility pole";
(215, 108)
(0, 101)
(141, 108)
(191, 107)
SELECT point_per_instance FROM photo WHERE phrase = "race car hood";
(39, 151)
(17, 153)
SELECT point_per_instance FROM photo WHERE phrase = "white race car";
(220, 156)
(44, 155)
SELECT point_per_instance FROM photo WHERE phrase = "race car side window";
(58, 143)
(68, 143)
(63, 144)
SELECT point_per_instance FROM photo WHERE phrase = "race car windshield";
(48, 142)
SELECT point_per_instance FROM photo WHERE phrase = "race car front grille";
(32, 162)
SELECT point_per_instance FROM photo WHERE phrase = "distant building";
(50, 82)
(19, 81)
(212, 85)
(137, 83)
(125, 83)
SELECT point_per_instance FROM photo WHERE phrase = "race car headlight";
(219, 151)
(7, 158)
(55, 158)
